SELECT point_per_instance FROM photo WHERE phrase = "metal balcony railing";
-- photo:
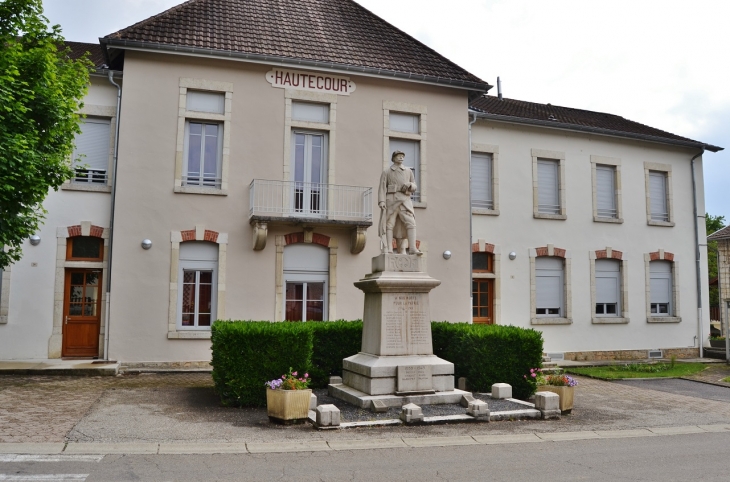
(323, 202)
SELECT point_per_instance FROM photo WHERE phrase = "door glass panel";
(89, 309)
(92, 278)
(484, 312)
(92, 293)
(77, 294)
(74, 309)
(77, 278)
(484, 298)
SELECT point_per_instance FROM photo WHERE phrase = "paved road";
(664, 458)
(683, 387)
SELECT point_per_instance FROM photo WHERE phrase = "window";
(310, 172)
(660, 287)
(85, 248)
(306, 279)
(548, 186)
(608, 287)
(411, 150)
(203, 137)
(482, 288)
(658, 196)
(91, 151)
(482, 181)
(198, 285)
(310, 112)
(406, 130)
(549, 287)
(606, 192)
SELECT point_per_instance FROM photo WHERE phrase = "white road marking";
(45, 477)
(49, 458)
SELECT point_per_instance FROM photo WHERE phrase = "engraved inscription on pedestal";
(397, 263)
(415, 378)
(406, 328)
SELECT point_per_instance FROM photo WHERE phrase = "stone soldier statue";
(397, 219)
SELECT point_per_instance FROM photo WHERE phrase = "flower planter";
(566, 395)
(717, 343)
(287, 405)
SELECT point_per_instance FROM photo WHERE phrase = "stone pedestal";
(396, 363)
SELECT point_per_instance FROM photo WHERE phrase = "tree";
(41, 89)
(713, 224)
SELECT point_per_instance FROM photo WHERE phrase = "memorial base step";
(363, 400)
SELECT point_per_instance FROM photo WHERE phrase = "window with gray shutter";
(548, 186)
(412, 160)
(608, 287)
(606, 191)
(91, 151)
(404, 122)
(658, 195)
(660, 298)
(310, 112)
(481, 181)
(549, 287)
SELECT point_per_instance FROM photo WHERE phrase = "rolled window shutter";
(607, 281)
(93, 144)
(658, 196)
(549, 283)
(606, 192)
(481, 181)
(547, 187)
(206, 102)
(661, 288)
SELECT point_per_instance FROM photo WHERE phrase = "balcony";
(310, 204)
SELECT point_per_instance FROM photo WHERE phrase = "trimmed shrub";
(332, 341)
(487, 354)
(246, 354)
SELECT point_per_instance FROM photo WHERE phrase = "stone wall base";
(151, 366)
(630, 354)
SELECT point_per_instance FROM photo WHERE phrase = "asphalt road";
(682, 387)
(668, 458)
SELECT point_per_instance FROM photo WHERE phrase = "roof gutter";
(108, 43)
(594, 130)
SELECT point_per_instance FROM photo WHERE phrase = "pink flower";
(294, 373)
(533, 375)
(306, 375)
(301, 380)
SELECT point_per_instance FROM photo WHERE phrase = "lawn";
(639, 370)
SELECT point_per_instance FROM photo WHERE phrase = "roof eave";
(108, 43)
(594, 130)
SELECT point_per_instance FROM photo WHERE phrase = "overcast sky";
(659, 62)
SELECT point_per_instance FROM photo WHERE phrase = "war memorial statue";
(397, 217)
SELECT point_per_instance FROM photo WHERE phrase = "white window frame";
(184, 118)
(493, 152)
(598, 162)
(566, 316)
(559, 158)
(197, 267)
(420, 199)
(203, 180)
(673, 315)
(623, 316)
(307, 278)
(324, 172)
(649, 168)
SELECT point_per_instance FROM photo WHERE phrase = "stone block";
(478, 409)
(411, 413)
(335, 380)
(466, 400)
(415, 378)
(501, 390)
(550, 414)
(462, 383)
(378, 406)
(328, 416)
(312, 401)
(547, 401)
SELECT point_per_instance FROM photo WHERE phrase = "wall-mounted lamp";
(512, 255)
(146, 244)
(447, 254)
(35, 240)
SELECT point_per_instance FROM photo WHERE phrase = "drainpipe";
(697, 255)
(111, 216)
(471, 229)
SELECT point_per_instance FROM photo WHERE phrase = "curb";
(10, 450)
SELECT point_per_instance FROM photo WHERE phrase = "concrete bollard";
(411, 413)
(312, 401)
(549, 405)
(501, 390)
(328, 416)
(478, 409)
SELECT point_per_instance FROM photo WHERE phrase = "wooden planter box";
(717, 343)
(287, 405)
(566, 395)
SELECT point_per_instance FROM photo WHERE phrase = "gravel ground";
(351, 413)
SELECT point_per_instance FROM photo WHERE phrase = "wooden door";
(483, 301)
(81, 313)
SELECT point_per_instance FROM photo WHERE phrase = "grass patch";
(639, 370)
(726, 380)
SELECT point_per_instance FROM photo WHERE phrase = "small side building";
(723, 273)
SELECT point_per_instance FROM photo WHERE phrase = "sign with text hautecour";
(312, 81)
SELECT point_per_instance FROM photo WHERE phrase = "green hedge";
(487, 354)
(248, 353)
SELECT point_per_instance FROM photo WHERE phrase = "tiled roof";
(724, 233)
(80, 48)
(339, 33)
(577, 119)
